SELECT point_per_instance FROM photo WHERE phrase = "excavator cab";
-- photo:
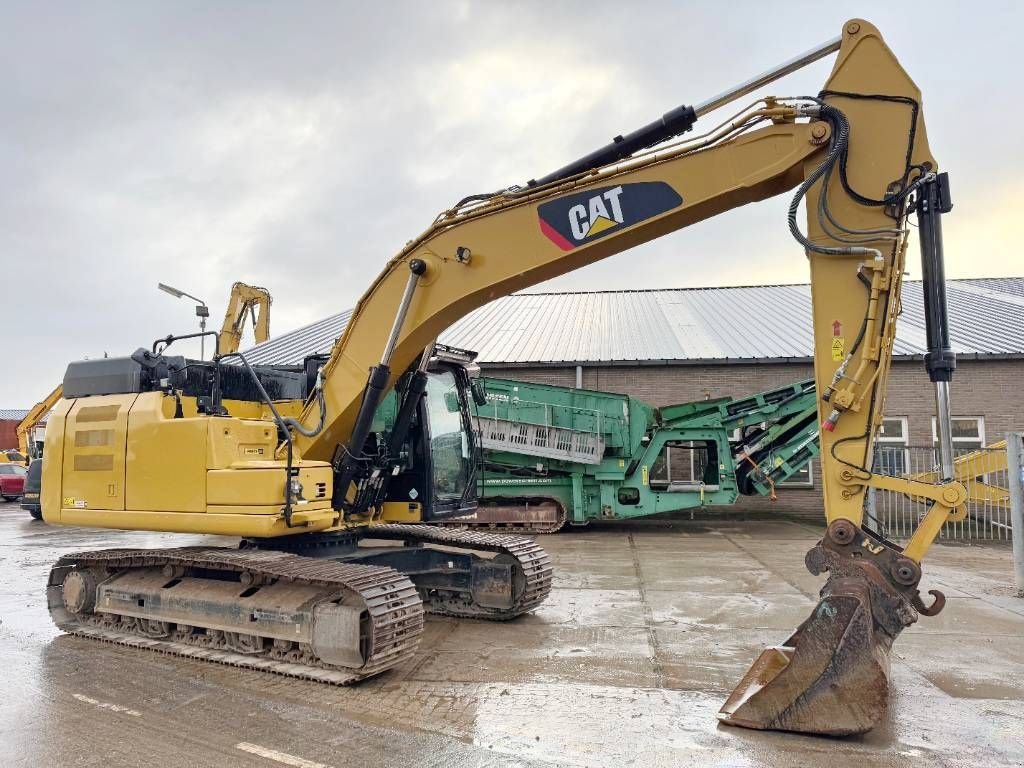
(439, 455)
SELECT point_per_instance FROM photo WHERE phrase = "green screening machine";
(555, 455)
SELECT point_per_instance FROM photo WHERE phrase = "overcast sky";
(298, 145)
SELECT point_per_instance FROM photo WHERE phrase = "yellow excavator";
(247, 302)
(291, 460)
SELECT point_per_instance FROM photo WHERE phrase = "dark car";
(12, 481)
(33, 483)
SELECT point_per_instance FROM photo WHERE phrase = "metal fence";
(984, 473)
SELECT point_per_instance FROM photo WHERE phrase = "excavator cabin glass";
(449, 438)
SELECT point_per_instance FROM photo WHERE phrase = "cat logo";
(580, 218)
(600, 213)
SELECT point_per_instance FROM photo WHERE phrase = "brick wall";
(8, 433)
(987, 388)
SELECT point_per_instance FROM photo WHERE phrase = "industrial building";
(673, 345)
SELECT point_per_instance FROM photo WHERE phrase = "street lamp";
(202, 312)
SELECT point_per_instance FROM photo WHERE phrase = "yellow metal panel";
(232, 441)
(260, 486)
(167, 462)
(53, 467)
(89, 411)
(402, 512)
(93, 474)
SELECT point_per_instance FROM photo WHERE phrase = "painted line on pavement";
(106, 705)
(281, 757)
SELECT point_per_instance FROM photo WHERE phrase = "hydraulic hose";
(298, 426)
(837, 149)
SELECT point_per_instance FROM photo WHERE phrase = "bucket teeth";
(831, 677)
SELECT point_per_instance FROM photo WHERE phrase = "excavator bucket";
(831, 677)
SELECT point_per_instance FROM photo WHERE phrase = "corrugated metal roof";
(13, 414)
(767, 322)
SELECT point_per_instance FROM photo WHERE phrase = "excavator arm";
(245, 302)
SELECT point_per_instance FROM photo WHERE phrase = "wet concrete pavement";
(646, 631)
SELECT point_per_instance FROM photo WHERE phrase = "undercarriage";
(333, 607)
(513, 515)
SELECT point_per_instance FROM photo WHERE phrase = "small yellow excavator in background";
(37, 413)
(292, 460)
(12, 456)
(245, 302)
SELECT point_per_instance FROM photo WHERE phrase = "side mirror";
(479, 389)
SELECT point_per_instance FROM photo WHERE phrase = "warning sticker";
(838, 348)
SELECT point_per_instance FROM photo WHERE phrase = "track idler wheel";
(831, 677)
(79, 591)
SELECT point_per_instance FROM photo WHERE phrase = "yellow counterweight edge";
(246, 525)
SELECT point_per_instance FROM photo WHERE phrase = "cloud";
(299, 145)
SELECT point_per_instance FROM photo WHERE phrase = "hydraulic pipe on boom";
(681, 119)
(347, 458)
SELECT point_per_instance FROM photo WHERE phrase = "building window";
(891, 454)
(968, 437)
(968, 434)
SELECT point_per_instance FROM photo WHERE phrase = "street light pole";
(202, 312)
